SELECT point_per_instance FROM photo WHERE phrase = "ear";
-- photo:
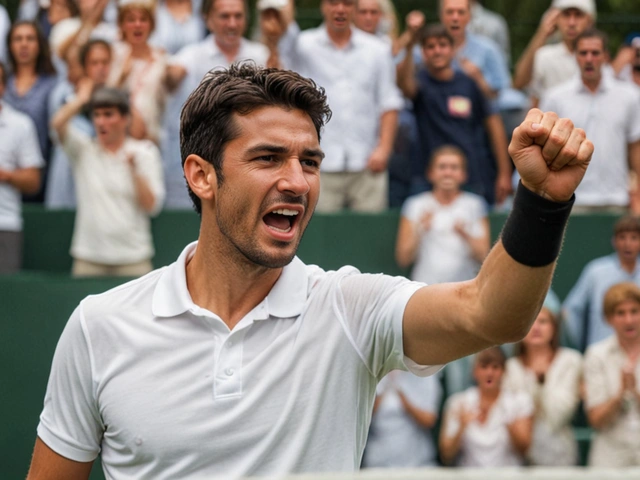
(201, 177)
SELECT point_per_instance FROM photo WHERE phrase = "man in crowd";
(583, 311)
(358, 74)
(542, 66)
(240, 360)
(609, 111)
(119, 185)
(227, 20)
(20, 163)
(451, 110)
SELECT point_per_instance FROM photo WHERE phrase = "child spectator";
(551, 375)
(486, 426)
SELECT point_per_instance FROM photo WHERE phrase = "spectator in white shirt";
(611, 375)
(551, 375)
(357, 71)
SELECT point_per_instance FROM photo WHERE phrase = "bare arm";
(476, 75)
(75, 41)
(604, 414)
(623, 57)
(379, 158)
(25, 180)
(405, 71)
(424, 418)
(407, 242)
(479, 245)
(137, 127)
(48, 465)
(520, 432)
(174, 76)
(524, 68)
(495, 129)
(144, 195)
(449, 446)
(499, 305)
(69, 110)
(634, 162)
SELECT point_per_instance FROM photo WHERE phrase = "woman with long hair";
(551, 374)
(31, 80)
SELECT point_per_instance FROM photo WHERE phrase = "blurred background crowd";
(424, 97)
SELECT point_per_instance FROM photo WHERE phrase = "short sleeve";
(371, 308)
(412, 208)
(389, 94)
(70, 422)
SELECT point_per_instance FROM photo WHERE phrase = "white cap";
(277, 4)
(587, 6)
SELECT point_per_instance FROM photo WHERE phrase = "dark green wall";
(36, 304)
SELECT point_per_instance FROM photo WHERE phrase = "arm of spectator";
(25, 180)
(473, 71)
(406, 76)
(497, 136)
(49, 465)
(408, 239)
(144, 195)
(75, 41)
(601, 404)
(273, 25)
(455, 424)
(174, 76)
(415, 21)
(524, 68)
(560, 400)
(480, 244)
(137, 127)
(576, 306)
(379, 157)
(604, 414)
(61, 119)
(634, 162)
(520, 433)
(424, 418)
(624, 57)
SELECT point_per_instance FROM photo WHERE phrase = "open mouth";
(281, 220)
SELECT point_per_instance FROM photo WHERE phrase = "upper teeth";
(284, 211)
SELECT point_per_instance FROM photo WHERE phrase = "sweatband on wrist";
(533, 232)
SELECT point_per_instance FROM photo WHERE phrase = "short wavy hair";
(206, 121)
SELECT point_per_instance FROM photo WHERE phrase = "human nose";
(293, 180)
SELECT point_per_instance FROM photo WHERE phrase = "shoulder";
(255, 49)
(310, 36)
(473, 200)
(549, 51)
(568, 356)
(597, 265)
(142, 146)
(601, 350)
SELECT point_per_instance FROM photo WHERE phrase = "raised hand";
(550, 154)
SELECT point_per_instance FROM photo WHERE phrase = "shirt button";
(229, 372)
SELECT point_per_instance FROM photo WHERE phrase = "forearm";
(388, 128)
(524, 68)
(137, 127)
(498, 136)
(62, 117)
(450, 446)
(407, 243)
(144, 196)
(422, 417)
(25, 180)
(520, 434)
(406, 74)
(479, 247)
(487, 90)
(605, 413)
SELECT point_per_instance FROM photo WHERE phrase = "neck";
(442, 74)
(339, 38)
(26, 70)
(140, 50)
(114, 146)
(458, 41)
(230, 52)
(628, 265)
(222, 280)
(592, 85)
(445, 197)
(570, 44)
(490, 395)
(538, 351)
(631, 348)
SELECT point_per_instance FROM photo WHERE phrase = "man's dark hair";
(85, 50)
(434, 30)
(107, 97)
(206, 121)
(626, 224)
(44, 65)
(594, 33)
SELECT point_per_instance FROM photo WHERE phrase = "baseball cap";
(277, 4)
(587, 6)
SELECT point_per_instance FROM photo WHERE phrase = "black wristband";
(533, 232)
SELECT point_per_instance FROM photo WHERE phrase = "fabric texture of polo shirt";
(583, 307)
(360, 83)
(552, 65)
(111, 227)
(618, 444)
(163, 389)
(611, 119)
(18, 149)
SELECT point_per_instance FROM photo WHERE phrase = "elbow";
(403, 259)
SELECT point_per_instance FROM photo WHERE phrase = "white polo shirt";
(111, 227)
(164, 389)
(611, 119)
(553, 65)
(19, 148)
(360, 82)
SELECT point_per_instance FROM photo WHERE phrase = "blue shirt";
(583, 307)
(35, 104)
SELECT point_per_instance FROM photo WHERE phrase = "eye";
(310, 163)
(266, 158)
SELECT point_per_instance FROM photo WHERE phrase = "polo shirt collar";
(354, 39)
(606, 82)
(285, 300)
(213, 49)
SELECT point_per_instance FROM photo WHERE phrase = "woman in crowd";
(139, 68)
(551, 375)
(31, 81)
(487, 426)
(178, 24)
(612, 382)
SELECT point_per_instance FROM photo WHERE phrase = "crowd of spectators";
(90, 100)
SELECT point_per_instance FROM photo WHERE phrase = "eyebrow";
(278, 149)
